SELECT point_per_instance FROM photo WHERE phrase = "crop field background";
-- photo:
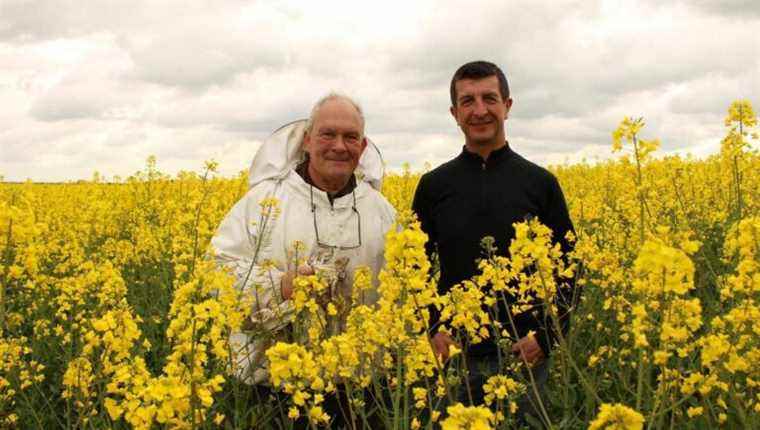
(113, 315)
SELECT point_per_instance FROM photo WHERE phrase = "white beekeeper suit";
(273, 174)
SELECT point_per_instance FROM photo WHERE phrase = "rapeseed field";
(114, 315)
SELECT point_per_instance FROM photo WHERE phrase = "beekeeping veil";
(282, 152)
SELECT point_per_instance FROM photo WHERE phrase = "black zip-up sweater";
(468, 198)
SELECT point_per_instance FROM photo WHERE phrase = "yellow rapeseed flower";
(617, 417)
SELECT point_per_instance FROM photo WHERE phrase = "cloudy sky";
(103, 84)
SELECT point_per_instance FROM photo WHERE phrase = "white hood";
(282, 152)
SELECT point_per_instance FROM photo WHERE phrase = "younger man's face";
(480, 110)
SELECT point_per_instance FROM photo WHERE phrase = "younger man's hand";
(528, 350)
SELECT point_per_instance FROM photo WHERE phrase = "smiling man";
(325, 175)
(334, 141)
(482, 192)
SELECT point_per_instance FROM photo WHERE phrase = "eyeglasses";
(316, 229)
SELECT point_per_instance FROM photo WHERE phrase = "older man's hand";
(286, 283)
(441, 343)
(528, 349)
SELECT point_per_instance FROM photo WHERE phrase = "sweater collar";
(494, 157)
(303, 171)
(296, 185)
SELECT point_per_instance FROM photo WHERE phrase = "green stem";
(534, 387)
(737, 185)
(6, 269)
(466, 373)
(396, 391)
(655, 406)
(680, 200)
(438, 364)
(740, 413)
(568, 356)
(193, 391)
(197, 220)
(263, 221)
(640, 382)
(640, 192)
(34, 410)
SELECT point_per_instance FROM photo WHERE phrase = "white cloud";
(740, 9)
(101, 86)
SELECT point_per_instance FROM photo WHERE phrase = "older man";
(324, 175)
(482, 192)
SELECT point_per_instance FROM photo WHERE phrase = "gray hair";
(327, 98)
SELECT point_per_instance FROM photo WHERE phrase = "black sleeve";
(422, 208)
(555, 216)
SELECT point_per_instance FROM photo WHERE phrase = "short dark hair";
(479, 70)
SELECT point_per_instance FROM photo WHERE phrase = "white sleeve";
(236, 246)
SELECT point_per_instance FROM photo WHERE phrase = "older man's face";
(335, 143)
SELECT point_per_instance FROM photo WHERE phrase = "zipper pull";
(483, 165)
